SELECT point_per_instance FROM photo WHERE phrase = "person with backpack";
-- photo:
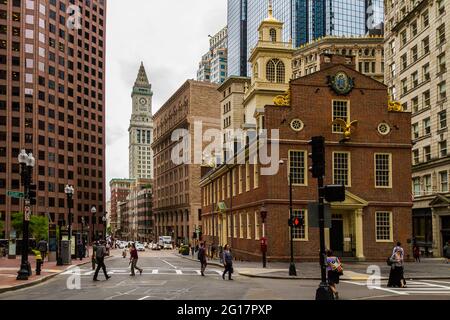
(227, 262)
(396, 275)
(334, 271)
(100, 254)
(202, 258)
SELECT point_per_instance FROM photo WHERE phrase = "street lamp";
(69, 190)
(93, 211)
(59, 261)
(104, 224)
(27, 163)
(292, 268)
(263, 213)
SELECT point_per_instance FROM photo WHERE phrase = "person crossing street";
(134, 259)
(100, 254)
(202, 258)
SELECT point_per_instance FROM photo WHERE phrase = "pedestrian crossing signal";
(296, 222)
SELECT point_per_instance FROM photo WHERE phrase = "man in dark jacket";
(42, 247)
(202, 258)
(100, 254)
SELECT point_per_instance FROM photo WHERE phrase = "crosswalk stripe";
(413, 287)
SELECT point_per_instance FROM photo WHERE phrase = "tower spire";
(142, 79)
(270, 9)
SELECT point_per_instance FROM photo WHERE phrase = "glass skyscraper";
(237, 37)
(304, 21)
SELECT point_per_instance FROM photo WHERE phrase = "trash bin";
(65, 252)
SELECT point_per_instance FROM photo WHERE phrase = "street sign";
(15, 194)
(313, 215)
(27, 213)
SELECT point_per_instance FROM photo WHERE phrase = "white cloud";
(169, 36)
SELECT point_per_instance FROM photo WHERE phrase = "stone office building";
(177, 200)
(368, 150)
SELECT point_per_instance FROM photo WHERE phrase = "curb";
(343, 278)
(43, 279)
(245, 274)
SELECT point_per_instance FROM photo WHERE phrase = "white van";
(165, 242)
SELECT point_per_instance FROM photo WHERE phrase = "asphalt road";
(169, 277)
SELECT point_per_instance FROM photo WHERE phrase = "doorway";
(337, 237)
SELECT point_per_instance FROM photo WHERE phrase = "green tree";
(17, 222)
(38, 226)
(108, 230)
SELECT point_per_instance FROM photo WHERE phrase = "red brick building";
(374, 164)
(52, 103)
(120, 189)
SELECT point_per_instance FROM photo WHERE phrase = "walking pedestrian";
(334, 271)
(134, 259)
(42, 247)
(227, 262)
(396, 275)
(80, 250)
(100, 254)
(447, 251)
(416, 253)
(202, 258)
(192, 249)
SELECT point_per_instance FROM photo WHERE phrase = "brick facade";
(177, 200)
(311, 102)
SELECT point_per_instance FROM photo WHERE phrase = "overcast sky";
(169, 36)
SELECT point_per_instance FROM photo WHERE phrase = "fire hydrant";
(38, 261)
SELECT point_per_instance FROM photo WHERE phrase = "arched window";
(270, 70)
(275, 71)
(280, 72)
(273, 35)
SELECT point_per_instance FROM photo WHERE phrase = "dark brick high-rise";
(52, 103)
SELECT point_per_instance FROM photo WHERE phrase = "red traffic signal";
(296, 222)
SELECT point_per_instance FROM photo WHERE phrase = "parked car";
(155, 246)
(140, 247)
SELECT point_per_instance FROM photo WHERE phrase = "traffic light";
(296, 222)
(194, 235)
(317, 156)
(32, 194)
(334, 193)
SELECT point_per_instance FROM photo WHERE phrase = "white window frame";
(306, 235)
(390, 170)
(257, 226)
(391, 227)
(347, 119)
(349, 163)
(305, 169)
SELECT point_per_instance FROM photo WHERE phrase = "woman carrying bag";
(334, 270)
(227, 262)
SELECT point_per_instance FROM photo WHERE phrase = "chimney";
(329, 59)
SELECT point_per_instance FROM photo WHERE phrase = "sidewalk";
(9, 268)
(353, 271)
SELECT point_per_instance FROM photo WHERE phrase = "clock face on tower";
(142, 101)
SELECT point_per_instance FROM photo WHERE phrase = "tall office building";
(52, 104)
(417, 56)
(237, 37)
(213, 66)
(141, 129)
(304, 21)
